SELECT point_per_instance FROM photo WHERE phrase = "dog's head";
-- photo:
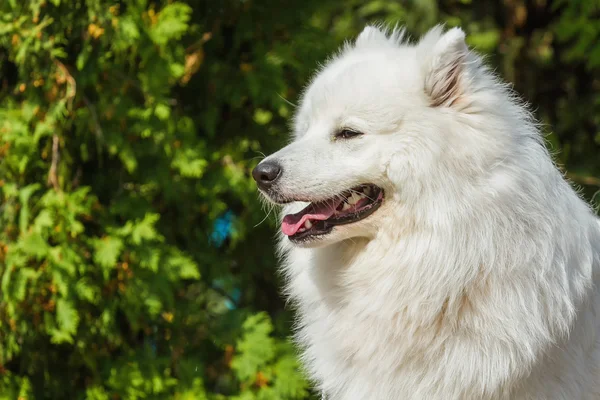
(379, 126)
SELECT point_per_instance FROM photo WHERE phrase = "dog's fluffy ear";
(443, 56)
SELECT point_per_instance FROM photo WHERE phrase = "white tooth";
(307, 224)
(353, 199)
(346, 206)
(301, 230)
(368, 191)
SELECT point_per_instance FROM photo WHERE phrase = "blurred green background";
(135, 259)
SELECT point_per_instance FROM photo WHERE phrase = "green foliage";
(261, 360)
(134, 263)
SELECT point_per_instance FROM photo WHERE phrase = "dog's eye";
(347, 134)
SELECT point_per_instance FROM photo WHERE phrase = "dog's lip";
(320, 217)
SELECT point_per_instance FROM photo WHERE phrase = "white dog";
(433, 249)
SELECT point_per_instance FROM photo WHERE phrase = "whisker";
(261, 153)
(275, 217)
(270, 207)
(262, 157)
(362, 194)
(264, 219)
(287, 101)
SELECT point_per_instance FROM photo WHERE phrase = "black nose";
(266, 173)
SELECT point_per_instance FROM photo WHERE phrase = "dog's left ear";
(443, 57)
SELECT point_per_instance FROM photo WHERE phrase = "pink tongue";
(314, 212)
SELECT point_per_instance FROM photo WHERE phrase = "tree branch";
(53, 174)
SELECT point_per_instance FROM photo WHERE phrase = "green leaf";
(162, 112)
(67, 319)
(83, 57)
(24, 195)
(263, 117)
(190, 163)
(61, 280)
(96, 393)
(33, 244)
(43, 221)
(186, 268)
(145, 230)
(289, 381)
(20, 280)
(86, 290)
(107, 251)
(154, 305)
(172, 23)
(256, 348)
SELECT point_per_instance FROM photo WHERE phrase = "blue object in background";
(222, 228)
(151, 340)
(234, 294)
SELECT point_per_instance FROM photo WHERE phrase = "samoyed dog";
(433, 249)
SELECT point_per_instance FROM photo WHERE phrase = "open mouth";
(319, 218)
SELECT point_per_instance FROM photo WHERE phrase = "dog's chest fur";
(366, 335)
(361, 342)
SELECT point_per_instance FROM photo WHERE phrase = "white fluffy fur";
(477, 278)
